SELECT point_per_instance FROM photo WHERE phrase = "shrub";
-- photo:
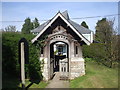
(95, 51)
(10, 63)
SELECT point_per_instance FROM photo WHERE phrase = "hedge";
(95, 51)
(10, 63)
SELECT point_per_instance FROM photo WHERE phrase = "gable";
(79, 28)
(59, 29)
(68, 24)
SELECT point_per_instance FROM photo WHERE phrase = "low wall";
(77, 67)
(45, 69)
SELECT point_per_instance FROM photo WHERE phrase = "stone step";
(64, 78)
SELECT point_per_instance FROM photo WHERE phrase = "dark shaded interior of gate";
(58, 51)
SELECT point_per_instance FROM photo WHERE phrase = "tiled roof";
(39, 28)
(78, 27)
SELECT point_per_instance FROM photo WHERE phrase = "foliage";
(9, 54)
(97, 76)
(55, 52)
(34, 64)
(42, 64)
(118, 48)
(27, 26)
(41, 43)
(100, 28)
(10, 28)
(89, 59)
(36, 23)
(105, 33)
(84, 24)
(10, 65)
(95, 51)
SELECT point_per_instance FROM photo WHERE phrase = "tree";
(36, 23)
(10, 28)
(84, 24)
(105, 33)
(27, 26)
(100, 30)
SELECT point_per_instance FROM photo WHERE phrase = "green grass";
(14, 83)
(97, 76)
(41, 84)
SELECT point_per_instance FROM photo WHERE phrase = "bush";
(10, 63)
(95, 51)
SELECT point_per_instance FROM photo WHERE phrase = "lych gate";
(62, 52)
(57, 55)
(58, 52)
(58, 44)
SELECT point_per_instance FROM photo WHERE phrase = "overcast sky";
(19, 11)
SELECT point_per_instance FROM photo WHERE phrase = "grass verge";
(97, 76)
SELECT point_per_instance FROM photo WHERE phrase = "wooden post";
(22, 65)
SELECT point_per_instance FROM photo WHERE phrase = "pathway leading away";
(56, 83)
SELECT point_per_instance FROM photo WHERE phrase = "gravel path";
(56, 83)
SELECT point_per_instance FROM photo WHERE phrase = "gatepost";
(23, 58)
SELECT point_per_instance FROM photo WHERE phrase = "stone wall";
(77, 67)
(45, 68)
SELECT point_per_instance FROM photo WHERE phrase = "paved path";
(56, 83)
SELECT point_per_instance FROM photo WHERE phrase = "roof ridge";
(65, 14)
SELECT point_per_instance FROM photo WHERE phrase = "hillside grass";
(97, 76)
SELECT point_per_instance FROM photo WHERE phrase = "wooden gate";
(63, 65)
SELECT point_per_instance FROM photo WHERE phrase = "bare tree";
(10, 28)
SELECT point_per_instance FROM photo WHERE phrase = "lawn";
(28, 84)
(14, 83)
(97, 76)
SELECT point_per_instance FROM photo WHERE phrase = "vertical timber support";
(22, 65)
(23, 58)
